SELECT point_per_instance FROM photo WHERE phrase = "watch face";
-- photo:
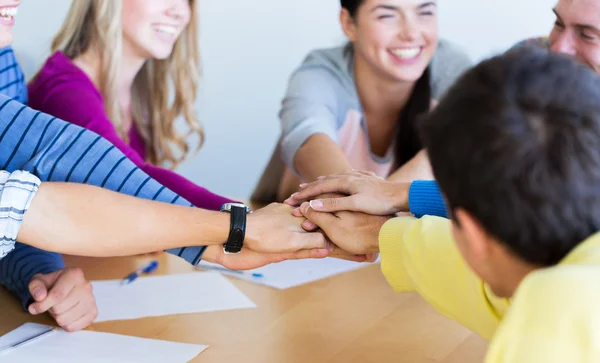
(227, 207)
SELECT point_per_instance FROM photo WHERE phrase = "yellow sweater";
(554, 315)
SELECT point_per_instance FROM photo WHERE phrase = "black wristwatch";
(237, 226)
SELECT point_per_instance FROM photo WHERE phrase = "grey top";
(321, 98)
(322, 92)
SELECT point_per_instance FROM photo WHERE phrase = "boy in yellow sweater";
(515, 148)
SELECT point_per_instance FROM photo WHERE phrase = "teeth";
(8, 12)
(167, 29)
(406, 53)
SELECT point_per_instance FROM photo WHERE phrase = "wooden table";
(353, 317)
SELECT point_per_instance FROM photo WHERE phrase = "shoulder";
(553, 300)
(450, 55)
(58, 75)
(554, 317)
(449, 62)
(331, 67)
(60, 86)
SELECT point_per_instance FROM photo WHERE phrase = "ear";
(477, 239)
(348, 24)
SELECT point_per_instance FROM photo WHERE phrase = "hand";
(67, 296)
(248, 259)
(274, 229)
(366, 193)
(356, 233)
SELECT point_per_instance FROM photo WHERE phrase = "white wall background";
(249, 49)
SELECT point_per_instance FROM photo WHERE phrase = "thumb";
(323, 220)
(39, 285)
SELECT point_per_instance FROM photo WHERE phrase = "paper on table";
(166, 295)
(292, 273)
(87, 346)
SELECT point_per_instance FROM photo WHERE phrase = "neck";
(378, 94)
(130, 65)
(513, 273)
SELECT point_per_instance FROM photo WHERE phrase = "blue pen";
(149, 268)
(217, 268)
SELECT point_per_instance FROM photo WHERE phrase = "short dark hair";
(516, 143)
(351, 5)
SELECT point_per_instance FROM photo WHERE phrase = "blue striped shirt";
(54, 150)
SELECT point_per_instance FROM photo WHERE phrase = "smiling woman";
(355, 107)
(115, 65)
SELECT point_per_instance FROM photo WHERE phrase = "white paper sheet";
(291, 273)
(94, 347)
(166, 295)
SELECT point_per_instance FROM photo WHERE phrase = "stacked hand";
(361, 192)
(350, 208)
(273, 234)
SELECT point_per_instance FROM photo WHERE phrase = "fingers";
(331, 205)
(343, 255)
(323, 220)
(83, 322)
(314, 253)
(77, 311)
(335, 184)
(38, 286)
(309, 241)
(78, 294)
(63, 286)
(309, 226)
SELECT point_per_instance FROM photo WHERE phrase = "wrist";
(400, 196)
(374, 248)
(252, 231)
(217, 226)
(213, 254)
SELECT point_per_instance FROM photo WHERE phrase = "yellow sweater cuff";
(390, 247)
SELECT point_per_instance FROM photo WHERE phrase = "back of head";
(516, 143)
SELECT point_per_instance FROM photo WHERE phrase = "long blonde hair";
(99, 23)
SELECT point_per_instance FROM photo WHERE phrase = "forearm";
(90, 221)
(417, 168)
(420, 255)
(320, 156)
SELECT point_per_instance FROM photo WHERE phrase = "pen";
(27, 341)
(217, 268)
(142, 270)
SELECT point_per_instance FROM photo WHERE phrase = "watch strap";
(237, 230)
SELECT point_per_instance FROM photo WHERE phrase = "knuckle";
(77, 273)
(58, 294)
(88, 287)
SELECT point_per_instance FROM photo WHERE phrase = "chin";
(5, 40)
(407, 76)
(161, 54)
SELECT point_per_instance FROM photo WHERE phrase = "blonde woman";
(113, 67)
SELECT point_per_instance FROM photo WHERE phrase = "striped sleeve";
(12, 79)
(17, 189)
(58, 151)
